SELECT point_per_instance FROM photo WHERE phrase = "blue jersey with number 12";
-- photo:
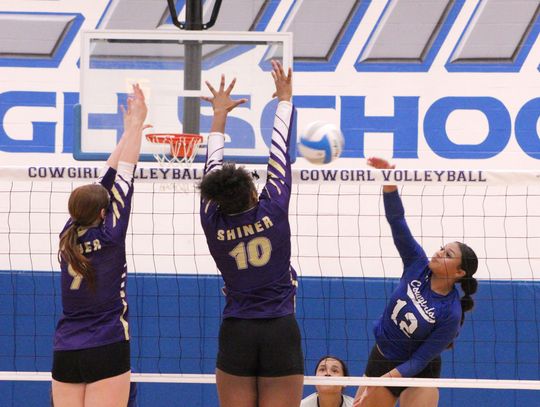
(417, 323)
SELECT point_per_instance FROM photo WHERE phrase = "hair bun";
(469, 285)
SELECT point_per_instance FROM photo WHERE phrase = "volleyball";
(321, 142)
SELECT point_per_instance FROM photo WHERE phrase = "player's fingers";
(206, 98)
(289, 75)
(222, 84)
(231, 86)
(277, 69)
(129, 104)
(274, 71)
(239, 102)
(380, 163)
(280, 69)
(147, 126)
(138, 91)
(211, 88)
(374, 162)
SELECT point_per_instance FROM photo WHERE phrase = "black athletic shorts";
(378, 365)
(260, 347)
(92, 364)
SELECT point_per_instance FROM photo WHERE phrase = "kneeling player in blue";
(91, 361)
(424, 313)
(260, 360)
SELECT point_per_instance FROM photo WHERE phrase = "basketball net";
(177, 150)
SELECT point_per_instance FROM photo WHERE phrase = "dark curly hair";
(231, 187)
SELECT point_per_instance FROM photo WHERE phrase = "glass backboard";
(172, 67)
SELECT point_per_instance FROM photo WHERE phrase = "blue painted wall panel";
(500, 339)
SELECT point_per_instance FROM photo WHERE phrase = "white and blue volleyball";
(321, 142)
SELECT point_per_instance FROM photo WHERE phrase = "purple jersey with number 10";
(89, 318)
(252, 249)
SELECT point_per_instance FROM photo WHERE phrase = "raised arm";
(124, 158)
(112, 161)
(408, 248)
(134, 118)
(278, 182)
(222, 103)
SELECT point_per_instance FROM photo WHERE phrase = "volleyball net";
(342, 250)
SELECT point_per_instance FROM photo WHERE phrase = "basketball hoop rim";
(182, 147)
(173, 137)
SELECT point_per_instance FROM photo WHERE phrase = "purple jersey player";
(260, 360)
(91, 364)
(424, 313)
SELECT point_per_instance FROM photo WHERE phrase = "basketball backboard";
(172, 67)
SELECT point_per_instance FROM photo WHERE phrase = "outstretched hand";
(283, 82)
(129, 147)
(221, 100)
(380, 163)
(135, 114)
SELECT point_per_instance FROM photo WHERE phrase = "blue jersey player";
(260, 360)
(423, 315)
(91, 361)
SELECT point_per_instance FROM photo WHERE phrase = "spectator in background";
(329, 396)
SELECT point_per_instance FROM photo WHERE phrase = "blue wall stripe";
(500, 339)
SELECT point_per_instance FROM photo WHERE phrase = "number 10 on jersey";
(255, 252)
